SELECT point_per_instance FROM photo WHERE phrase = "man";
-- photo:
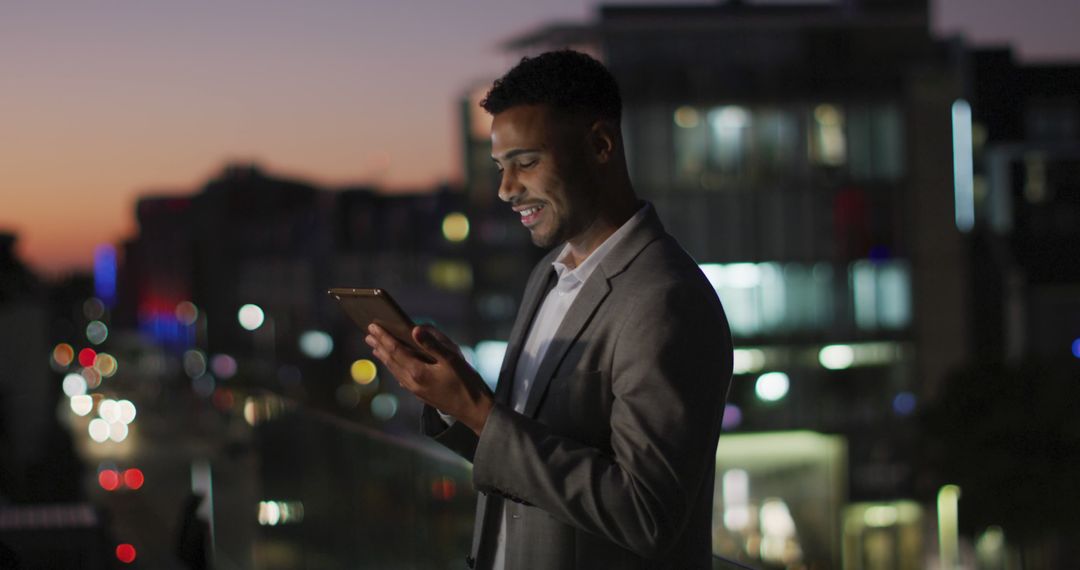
(597, 448)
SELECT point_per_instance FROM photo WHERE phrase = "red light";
(125, 553)
(87, 356)
(109, 479)
(223, 399)
(133, 478)
(444, 489)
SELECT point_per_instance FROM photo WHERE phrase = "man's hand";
(450, 384)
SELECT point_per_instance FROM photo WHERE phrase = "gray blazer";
(611, 464)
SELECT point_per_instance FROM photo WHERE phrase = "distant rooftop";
(619, 19)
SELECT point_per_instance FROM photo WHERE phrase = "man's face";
(543, 158)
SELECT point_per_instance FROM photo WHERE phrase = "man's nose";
(509, 188)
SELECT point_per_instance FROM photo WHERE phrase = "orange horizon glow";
(64, 233)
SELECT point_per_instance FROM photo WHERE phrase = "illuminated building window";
(773, 298)
(731, 143)
(828, 141)
(881, 292)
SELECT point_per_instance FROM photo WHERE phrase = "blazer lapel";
(535, 292)
(593, 292)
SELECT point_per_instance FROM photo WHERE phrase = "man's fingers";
(386, 349)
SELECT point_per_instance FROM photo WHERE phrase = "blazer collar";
(649, 230)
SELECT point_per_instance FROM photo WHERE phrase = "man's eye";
(529, 164)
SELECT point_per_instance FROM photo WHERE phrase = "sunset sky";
(102, 101)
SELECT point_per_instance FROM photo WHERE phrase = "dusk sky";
(103, 101)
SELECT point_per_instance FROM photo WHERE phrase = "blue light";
(880, 253)
(904, 403)
(167, 331)
(963, 169)
(1076, 348)
(105, 274)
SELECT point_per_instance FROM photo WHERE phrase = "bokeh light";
(63, 354)
(904, 403)
(99, 430)
(363, 371)
(125, 411)
(108, 411)
(82, 405)
(837, 356)
(384, 406)
(316, 344)
(223, 365)
(109, 479)
(772, 386)
(134, 479)
(187, 313)
(747, 360)
(223, 399)
(687, 117)
(97, 332)
(455, 227)
(269, 513)
(87, 356)
(273, 513)
(92, 376)
(204, 385)
(74, 385)
(126, 553)
(118, 431)
(489, 357)
(106, 365)
(93, 309)
(1076, 348)
(194, 363)
(732, 417)
(251, 317)
(451, 275)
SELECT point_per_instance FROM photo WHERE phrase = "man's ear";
(603, 141)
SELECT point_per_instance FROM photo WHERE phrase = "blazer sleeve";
(670, 374)
(459, 438)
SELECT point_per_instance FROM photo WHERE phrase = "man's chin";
(545, 241)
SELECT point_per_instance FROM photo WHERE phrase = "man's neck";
(601, 229)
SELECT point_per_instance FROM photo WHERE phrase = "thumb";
(426, 337)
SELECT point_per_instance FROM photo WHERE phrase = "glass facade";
(726, 146)
(763, 299)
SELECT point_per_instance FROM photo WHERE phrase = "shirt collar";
(570, 278)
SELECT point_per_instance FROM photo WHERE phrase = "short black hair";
(566, 80)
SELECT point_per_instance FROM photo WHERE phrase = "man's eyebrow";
(516, 152)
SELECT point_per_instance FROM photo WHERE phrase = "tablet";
(367, 306)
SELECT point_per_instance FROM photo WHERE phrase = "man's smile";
(531, 214)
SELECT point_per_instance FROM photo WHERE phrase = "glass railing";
(329, 493)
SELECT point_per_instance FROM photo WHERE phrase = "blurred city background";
(885, 194)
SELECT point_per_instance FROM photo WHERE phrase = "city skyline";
(113, 106)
